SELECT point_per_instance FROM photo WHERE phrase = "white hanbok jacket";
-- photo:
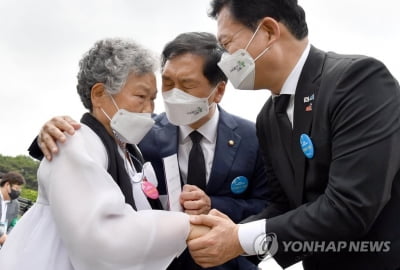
(81, 220)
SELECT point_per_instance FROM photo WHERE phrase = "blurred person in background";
(11, 185)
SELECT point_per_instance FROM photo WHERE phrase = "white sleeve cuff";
(248, 233)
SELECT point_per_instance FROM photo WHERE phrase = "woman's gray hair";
(111, 61)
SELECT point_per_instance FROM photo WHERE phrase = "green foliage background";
(25, 165)
(29, 194)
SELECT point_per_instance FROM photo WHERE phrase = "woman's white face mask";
(184, 109)
(129, 127)
(239, 67)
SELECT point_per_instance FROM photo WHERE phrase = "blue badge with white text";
(239, 185)
(307, 145)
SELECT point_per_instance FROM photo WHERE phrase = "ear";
(219, 93)
(97, 95)
(271, 28)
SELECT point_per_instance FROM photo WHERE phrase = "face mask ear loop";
(105, 114)
(248, 44)
(115, 104)
(212, 92)
(261, 54)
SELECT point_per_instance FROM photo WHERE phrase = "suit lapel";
(167, 139)
(305, 97)
(224, 151)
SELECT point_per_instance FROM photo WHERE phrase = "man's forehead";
(187, 61)
(226, 24)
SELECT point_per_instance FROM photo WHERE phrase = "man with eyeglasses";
(330, 138)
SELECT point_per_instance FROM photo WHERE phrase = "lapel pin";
(308, 99)
(231, 142)
(307, 146)
(309, 108)
(239, 184)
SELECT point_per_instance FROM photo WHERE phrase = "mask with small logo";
(239, 67)
(129, 127)
(184, 109)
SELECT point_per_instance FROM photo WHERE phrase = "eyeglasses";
(229, 40)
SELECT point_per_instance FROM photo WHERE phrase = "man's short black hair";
(198, 43)
(13, 178)
(249, 13)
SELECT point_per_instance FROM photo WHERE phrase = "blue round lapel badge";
(307, 146)
(239, 185)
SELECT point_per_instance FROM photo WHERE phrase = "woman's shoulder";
(85, 142)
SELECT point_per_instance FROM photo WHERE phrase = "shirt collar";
(208, 129)
(2, 198)
(290, 85)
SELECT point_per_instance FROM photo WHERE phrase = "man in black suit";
(330, 137)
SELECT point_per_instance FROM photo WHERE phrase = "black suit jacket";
(350, 189)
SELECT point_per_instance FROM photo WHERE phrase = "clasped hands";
(213, 238)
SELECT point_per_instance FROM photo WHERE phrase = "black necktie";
(197, 165)
(280, 104)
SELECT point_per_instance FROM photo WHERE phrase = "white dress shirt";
(290, 85)
(4, 205)
(209, 132)
(248, 232)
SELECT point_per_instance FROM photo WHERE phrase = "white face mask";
(184, 109)
(130, 127)
(239, 67)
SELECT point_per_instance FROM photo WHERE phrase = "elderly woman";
(85, 217)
